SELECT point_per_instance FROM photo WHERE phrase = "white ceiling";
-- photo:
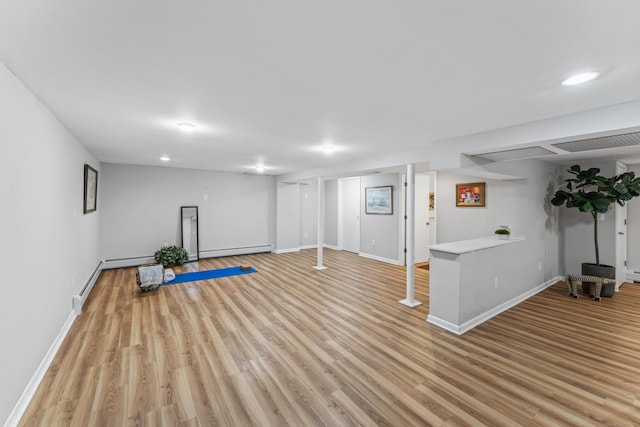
(268, 82)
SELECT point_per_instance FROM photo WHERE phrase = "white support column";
(410, 238)
(320, 223)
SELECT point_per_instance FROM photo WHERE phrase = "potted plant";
(503, 232)
(588, 191)
(171, 255)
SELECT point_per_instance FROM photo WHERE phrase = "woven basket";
(149, 277)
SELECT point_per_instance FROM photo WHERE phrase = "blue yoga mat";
(208, 274)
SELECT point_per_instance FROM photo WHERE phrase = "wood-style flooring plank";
(293, 346)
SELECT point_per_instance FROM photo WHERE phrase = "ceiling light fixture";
(328, 149)
(580, 78)
(260, 169)
(186, 127)
(165, 158)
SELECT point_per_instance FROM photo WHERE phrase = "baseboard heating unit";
(81, 297)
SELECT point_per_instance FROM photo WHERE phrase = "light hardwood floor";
(292, 346)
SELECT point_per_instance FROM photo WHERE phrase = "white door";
(349, 217)
(422, 218)
(621, 236)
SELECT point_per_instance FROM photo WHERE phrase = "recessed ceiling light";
(328, 149)
(186, 127)
(260, 169)
(165, 158)
(580, 78)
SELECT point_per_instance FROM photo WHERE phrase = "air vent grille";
(515, 154)
(601, 143)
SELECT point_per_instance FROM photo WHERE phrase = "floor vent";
(600, 143)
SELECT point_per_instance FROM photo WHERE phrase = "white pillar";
(320, 223)
(411, 238)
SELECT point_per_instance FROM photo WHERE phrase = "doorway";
(425, 215)
(349, 214)
(621, 236)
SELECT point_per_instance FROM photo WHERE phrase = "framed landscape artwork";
(90, 189)
(379, 200)
(471, 194)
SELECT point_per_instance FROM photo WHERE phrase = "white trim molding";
(472, 323)
(78, 300)
(632, 276)
(379, 258)
(109, 264)
(214, 253)
(284, 251)
(33, 384)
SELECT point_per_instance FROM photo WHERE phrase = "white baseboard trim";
(308, 247)
(472, 323)
(248, 250)
(210, 253)
(315, 246)
(78, 300)
(632, 276)
(443, 324)
(284, 251)
(127, 262)
(379, 258)
(31, 388)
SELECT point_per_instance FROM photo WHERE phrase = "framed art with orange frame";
(471, 194)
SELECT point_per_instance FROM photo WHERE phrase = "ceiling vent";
(601, 143)
(515, 154)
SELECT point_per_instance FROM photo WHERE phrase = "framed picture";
(471, 194)
(379, 200)
(432, 202)
(90, 189)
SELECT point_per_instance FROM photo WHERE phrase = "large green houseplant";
(588, 191)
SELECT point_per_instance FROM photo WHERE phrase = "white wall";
(288, 217)
(506, 203)
(49, 247)
(141, 210)
(633, 228)
(522, 204)
(383, 229)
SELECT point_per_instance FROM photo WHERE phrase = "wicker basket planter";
(602, 270)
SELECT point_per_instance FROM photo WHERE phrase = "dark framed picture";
(432, 202)
(379, 200)
(90, 189)
(471, 194)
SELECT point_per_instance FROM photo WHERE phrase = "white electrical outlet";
(495, 283)
(540, 266)
(373, 243)
(306, 235)
(206, 197)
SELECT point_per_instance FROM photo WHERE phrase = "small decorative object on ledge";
(503, 232)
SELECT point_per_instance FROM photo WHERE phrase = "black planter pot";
(601, 270)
